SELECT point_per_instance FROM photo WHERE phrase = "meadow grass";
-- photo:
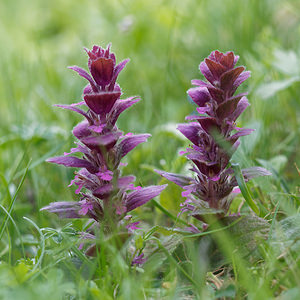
(165, 40)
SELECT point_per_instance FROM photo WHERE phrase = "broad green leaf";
(276, 163)
(268, 90)
(287, 62)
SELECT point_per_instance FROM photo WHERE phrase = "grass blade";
(12, 203)
(243, 187)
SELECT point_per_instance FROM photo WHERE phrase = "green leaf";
(276, 163)
(286, 235)
(247, 232)
(12, 203)
(268, 90)
(139, 242)
(229, 291)
(287, 62)
(243, 187)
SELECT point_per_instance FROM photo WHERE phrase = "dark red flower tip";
(98, 52)
(102, 70)
(228, 59)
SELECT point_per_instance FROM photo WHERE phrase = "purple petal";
(206, 72)
(192, 117)
(228, 78)
(64, 209)
(241, 79)
(73, 108)
(102, 70)
(119, 107)
(215, 68)
(142, 196)
(107, 140)
(212, 55)
(79, 148)
(123, 182)
(208, 124)
(87, 89)
(132, 226)
(97, 128)
(138, 260)
(130, 142)
(82, 130)
(199, 95)
(101, 103)
(217, 94)
(242, 132)
(228, 107)
(73, 162)
(190, 131)
(227, 60)
(201, 157)
(106, 189)
(200, 83)
(242, 105)
(209, 169)
(83, 73)
(105, 175)
(78, 103)
(176, 178)
(103, 191)
(253, 172)
(236, 58)
(192, 228)
(117, 70)
(86, 206)
(203, 110)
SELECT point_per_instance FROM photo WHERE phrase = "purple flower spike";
(139, 260)
(218, 109)
(104, 193)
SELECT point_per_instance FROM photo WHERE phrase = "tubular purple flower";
(139, 260)
(105, 195)
(214, 136)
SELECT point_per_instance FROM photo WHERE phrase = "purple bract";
(214, 136)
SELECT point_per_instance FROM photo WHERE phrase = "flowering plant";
(105, 195)
(214, 136)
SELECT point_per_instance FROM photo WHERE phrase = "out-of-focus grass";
(165, 40)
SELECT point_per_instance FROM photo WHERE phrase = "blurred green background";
(166, 41)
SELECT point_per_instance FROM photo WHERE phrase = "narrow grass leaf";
(243, 187)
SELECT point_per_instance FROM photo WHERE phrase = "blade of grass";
(7, 193)
(243, 187)
(215, 230)
(175, 262)
(161, 208)
(39, 262)
(273, 221)
(12, 203)
(16, 227)
(39, 161)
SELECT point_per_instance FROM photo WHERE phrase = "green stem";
(243, 187)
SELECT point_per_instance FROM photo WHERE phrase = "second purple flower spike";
(218, 107)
